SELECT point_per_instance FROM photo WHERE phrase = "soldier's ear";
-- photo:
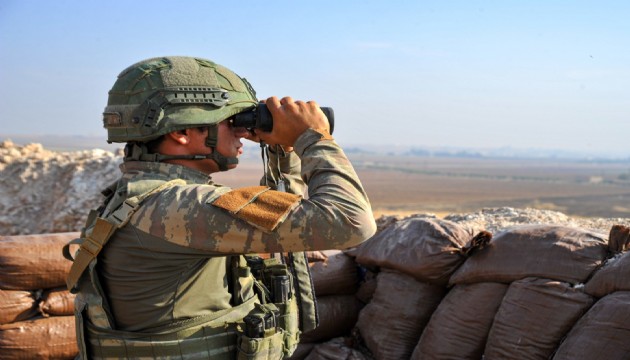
(181, 136)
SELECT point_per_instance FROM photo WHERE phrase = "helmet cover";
(160, 95)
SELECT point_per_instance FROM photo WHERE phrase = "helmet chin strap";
(211, 141)
(139, 152)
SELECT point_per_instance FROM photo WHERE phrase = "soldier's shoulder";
(259, 206)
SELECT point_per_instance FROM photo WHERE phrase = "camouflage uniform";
(154, 269)
(161, 271)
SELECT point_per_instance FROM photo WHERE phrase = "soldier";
(162, 270)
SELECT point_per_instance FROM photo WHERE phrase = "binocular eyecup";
(259, 117)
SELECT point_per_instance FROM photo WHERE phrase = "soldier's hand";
(291, 118)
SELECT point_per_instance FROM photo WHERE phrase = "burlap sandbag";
(533, 318)
(335, 349)
(41, 338)
(57, 302)
(337, 316)
(16, 305)
(391, 324)
(602, 333)
(336, 275)
(460, 325)
(427, 249)
(544, 251)
(613, 276)
(367, 286)
(31, 262)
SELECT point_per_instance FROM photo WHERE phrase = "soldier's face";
(229, 140)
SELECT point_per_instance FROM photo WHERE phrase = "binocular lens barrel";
(259, 117)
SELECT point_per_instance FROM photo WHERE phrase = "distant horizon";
(85, 142)
(460, 74)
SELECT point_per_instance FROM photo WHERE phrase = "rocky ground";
(42, 191)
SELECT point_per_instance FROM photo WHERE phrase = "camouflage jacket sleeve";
(336, 215)
(285, 166)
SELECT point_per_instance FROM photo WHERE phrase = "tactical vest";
(273, 303)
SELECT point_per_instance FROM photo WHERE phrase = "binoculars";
(259, 117)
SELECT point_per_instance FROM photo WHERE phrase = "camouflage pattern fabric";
(163, 265)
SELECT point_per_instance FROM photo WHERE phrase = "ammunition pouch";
(276, 314)
(269, 332)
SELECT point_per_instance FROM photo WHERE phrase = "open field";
(403, 185)
(441, 185)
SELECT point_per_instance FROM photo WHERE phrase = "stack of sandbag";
(36, 312)
(516, 298)
(603, 332)
(335, 279)
(414, 259)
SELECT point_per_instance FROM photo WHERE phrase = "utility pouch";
(265, 348)
(288, 321)
(261, 337)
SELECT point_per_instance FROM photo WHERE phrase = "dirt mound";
(44, 191)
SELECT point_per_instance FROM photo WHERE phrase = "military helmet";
(161, 95)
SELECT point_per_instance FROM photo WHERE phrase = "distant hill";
(78, 142)
(63, 142)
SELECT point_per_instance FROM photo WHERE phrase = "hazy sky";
(483, 74)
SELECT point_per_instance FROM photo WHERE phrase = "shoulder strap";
(94, 241)
(304, 289)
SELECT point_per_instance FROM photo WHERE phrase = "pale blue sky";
(481, 74)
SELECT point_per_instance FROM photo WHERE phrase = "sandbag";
(533, 318)
(426, 249)
(336, 275)
(602, 333)
(17, 305)
(391, 324)
(460, 325)
(619, 239)
(31, 262)
(544, 251)
(337, 316)
(367, 285)
(40, 338)
(57, 302)
(335, 349)
(613, 276)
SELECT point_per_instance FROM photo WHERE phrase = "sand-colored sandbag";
(335, 349)
(40, 338)
(424, 248)
(619, 239)
(611, 277)
(533, 318)
(336, 275)
(602, 333)
(17, 305)
(337, 316)
(544, 251)
(57, 302)
(459, 327)
(31, 262)
(391, 324)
